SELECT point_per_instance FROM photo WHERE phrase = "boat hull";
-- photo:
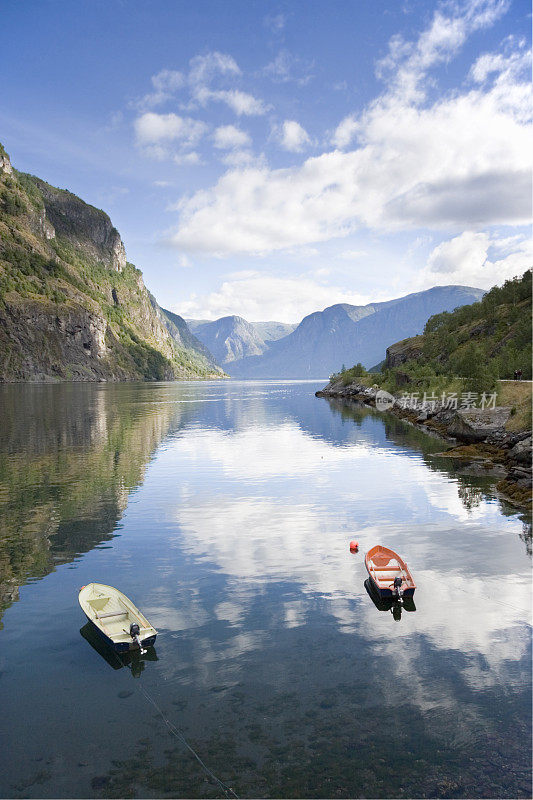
(384, 567)
(121, 647)
(113, 616)
(389, 593)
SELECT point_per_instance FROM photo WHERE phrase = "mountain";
(491, 337)
(177, 327)
(71, 306)
(272, 331)
(233, 338)
(230, 338)
(346, 334)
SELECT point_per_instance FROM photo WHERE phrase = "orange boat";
(389, 573)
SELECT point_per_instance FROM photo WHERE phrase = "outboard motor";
(398, 591)
(134, 633)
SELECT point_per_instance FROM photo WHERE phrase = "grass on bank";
(514, 394)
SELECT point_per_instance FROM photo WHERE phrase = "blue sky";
(272, 158)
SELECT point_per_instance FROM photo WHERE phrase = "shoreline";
(477, 437)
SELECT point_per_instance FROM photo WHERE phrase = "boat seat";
(112, 614)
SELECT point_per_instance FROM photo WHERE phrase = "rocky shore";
(478, 436)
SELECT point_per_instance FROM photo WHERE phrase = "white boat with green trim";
(117, 620)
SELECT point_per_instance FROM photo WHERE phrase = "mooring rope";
(228, 791)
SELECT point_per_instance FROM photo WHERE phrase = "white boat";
(117, 620)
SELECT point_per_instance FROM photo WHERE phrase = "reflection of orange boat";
(389, 573)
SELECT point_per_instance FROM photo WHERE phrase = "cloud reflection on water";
(280, 507)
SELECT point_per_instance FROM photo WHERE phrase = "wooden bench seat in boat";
(384, 566)
(114, 615)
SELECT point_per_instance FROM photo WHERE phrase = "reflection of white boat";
(117, 620)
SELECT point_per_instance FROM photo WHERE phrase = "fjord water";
(225, 511)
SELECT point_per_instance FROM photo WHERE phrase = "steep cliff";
(71, 306)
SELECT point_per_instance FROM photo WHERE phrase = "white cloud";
(152, 128)
(286, 68)
(187, 159)
(166, 83)
(407, 63)
(205, 67)
(228, 137)
(241, 159)
(242, 103)
(351, 255)
(204, 84)
(464, 161)
(466, 252)
(292, 136)
(345, 132)
(256, 296)
(467, 259)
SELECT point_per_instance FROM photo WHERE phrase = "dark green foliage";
(28, 262)
(10, 202)
(482, 342)
(349, 375)
(152, 365)
(29, 272)
(29, 187)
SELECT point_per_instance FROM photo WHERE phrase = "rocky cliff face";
(403, 351)
(71, 306)
(5, 163)
(87, 228)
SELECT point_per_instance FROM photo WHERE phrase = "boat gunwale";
(380, 584)
(117, 639)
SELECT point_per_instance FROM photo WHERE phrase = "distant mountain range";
(324, 340)
(232, 339)
(73, 308)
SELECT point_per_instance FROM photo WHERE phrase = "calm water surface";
(225, 510)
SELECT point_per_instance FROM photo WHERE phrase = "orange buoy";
(354, 546)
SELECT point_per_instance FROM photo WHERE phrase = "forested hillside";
(484, 341)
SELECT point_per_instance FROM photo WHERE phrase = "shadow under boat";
(389, 603)
(132, 660)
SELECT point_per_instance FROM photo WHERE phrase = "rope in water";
(228, 791)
